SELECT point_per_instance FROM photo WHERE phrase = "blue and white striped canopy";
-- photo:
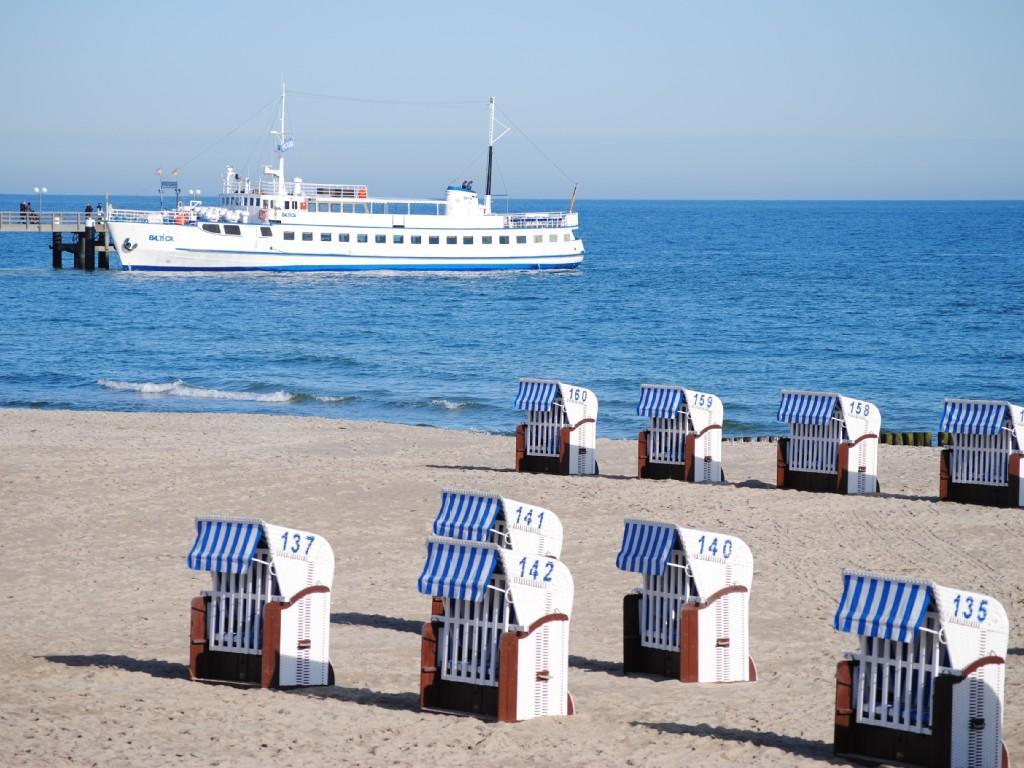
(972, 417)
(466, 516)
(883, 607)
(455, 570)
(646, 548)
(536, 395)
(659, 402)
(806, 407)
(225, 546)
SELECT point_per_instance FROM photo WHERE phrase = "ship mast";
(491, 141)
(281, 189)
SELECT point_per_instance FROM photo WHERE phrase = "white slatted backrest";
(895, 682)
(468, 645)
(660, 600)
(234, 620)
(813, 448)
(543, 430)
(666, 439)
(981, 459)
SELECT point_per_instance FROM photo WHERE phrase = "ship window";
(486, 239)
(416, 239)
(348, 208)
(335, 207)
(434, 239)
(307, 236)
(567, 237)
(325, 237)
(265, 232)
(398, 239)
(552, 238)
(323, 207)
(289, 235)
(538, 238)
(343, 237)
(452, 240)
(503, 239)
(361, 238)
(380, 238)
(232, 229)
(215, 228)
(467, 240)
(520, 239)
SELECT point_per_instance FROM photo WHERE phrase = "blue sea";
(899, 303)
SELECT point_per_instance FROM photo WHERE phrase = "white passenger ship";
(277, 225)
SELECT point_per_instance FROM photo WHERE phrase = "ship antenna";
(491, 141)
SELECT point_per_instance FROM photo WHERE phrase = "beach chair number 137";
(296, 542)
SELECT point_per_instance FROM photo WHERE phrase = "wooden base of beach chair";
(648, 470)
(550, 465)
(861, 741)
(262, 670)
(833, 482)
(680, 665)
(1008, 495)
(485, 701)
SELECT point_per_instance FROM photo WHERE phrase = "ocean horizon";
(900, 303)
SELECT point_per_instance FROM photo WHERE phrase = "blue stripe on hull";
(361, 268)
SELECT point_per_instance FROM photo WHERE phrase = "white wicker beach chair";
(832, 443)
(508, 523)
(926, 685)
(985, 464)
(684, 440)
(266, 621)
(500, 646)
(560, 432)
(689, 620)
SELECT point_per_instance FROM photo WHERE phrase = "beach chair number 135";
(296, 542)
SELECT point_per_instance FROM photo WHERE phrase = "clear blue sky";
(695, 100)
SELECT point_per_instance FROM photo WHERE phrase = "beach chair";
(689, 620)
(510, 524)
(684, 440)
(926, 685)
(266, 621)
(499, 648)
(832, 444)
(984, 464)
(560, 432)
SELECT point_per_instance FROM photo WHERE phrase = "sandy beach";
(97, 516)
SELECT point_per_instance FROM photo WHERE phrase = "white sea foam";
(180, 389)
(448, 405)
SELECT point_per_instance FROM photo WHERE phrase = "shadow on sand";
(818, 750)
(151, 667)
(377, 621)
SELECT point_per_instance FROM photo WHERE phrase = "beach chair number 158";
(857, 408)
(533, 571)
(296, 542)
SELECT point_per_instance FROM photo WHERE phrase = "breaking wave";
(179, 388)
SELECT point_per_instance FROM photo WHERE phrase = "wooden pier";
(90, 243)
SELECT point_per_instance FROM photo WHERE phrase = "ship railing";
(181, 216)
(47, 218)
(313, 189)
(545, 220)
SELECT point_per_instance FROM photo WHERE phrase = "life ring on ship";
(302, 206)
(362, 193)
(263, 215)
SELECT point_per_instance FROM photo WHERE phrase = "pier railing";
(49, 221)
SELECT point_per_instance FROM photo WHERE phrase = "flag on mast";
(158, 172)
(286, 144)
(572, 199)
(174, 172)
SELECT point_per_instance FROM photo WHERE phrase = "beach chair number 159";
(296, 542)
(533, 571)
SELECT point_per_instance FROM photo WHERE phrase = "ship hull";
(169, 248)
